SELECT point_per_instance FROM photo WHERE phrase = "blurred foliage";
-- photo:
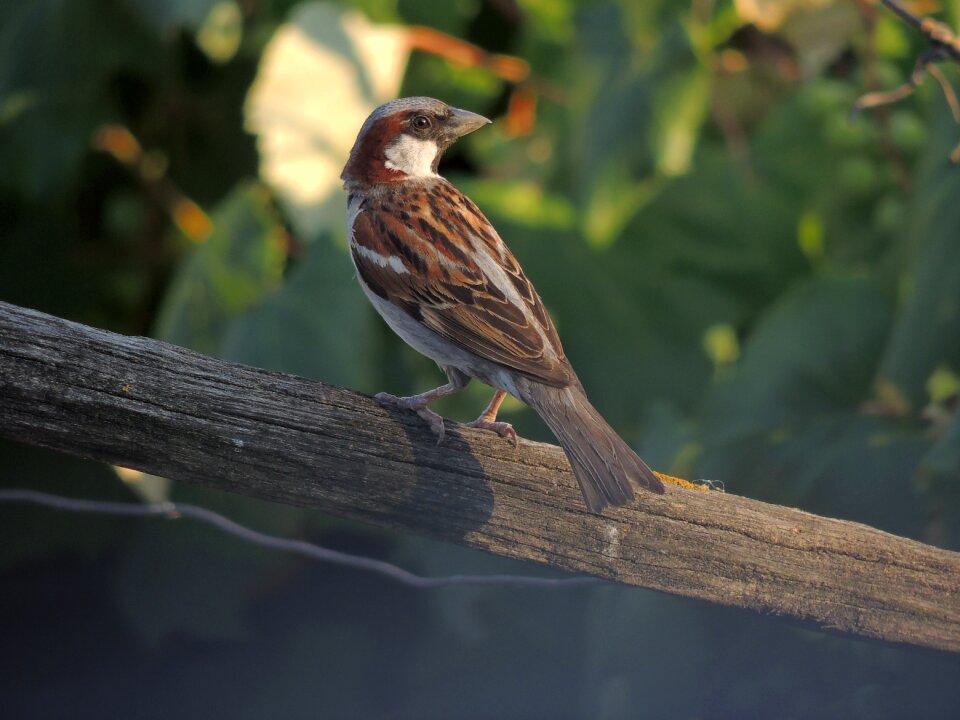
(754, 289)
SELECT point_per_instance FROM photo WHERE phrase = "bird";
(438, 273)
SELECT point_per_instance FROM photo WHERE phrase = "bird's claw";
(433, 420)
(504, 430)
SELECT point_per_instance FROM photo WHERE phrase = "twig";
(945, 45)
(940, 34)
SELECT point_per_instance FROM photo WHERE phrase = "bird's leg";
(488, 419)
(418, 403)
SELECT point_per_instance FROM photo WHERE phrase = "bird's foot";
(419, 406)
(504, 430)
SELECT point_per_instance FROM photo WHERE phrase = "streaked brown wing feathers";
(444, 289)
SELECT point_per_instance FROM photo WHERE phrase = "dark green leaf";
(318, 325)
(813, 354)
(927, 331)
(57, 60)
(232, 270)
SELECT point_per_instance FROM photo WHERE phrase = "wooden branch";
(165, 410)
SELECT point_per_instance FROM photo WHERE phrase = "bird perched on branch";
(444, 281)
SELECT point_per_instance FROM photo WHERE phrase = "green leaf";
(608, 141)
(642, 108)
(448, 17)
(318, 325)
(523, 203)
(812, 354)
(169, 15)
(787, 426)
(57, 60)
(836, 464)
(235, 268)
(927, 331)
(680, 104)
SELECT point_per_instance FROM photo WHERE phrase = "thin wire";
(299, 547)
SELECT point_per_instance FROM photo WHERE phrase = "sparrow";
(441, 277)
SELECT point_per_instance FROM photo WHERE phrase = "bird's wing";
(426, 248)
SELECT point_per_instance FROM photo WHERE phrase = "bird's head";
(404, 139)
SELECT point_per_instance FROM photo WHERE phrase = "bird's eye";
(420, 122)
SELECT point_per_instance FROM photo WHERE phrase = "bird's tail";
(604, 465)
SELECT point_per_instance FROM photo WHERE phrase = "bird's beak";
(464, 122)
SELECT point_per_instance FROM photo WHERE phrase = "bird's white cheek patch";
(412, 156)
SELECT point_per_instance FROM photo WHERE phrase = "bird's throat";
(412, 156)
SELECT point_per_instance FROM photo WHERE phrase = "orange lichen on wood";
(680, 482)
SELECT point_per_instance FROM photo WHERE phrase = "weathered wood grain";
(158, 408)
